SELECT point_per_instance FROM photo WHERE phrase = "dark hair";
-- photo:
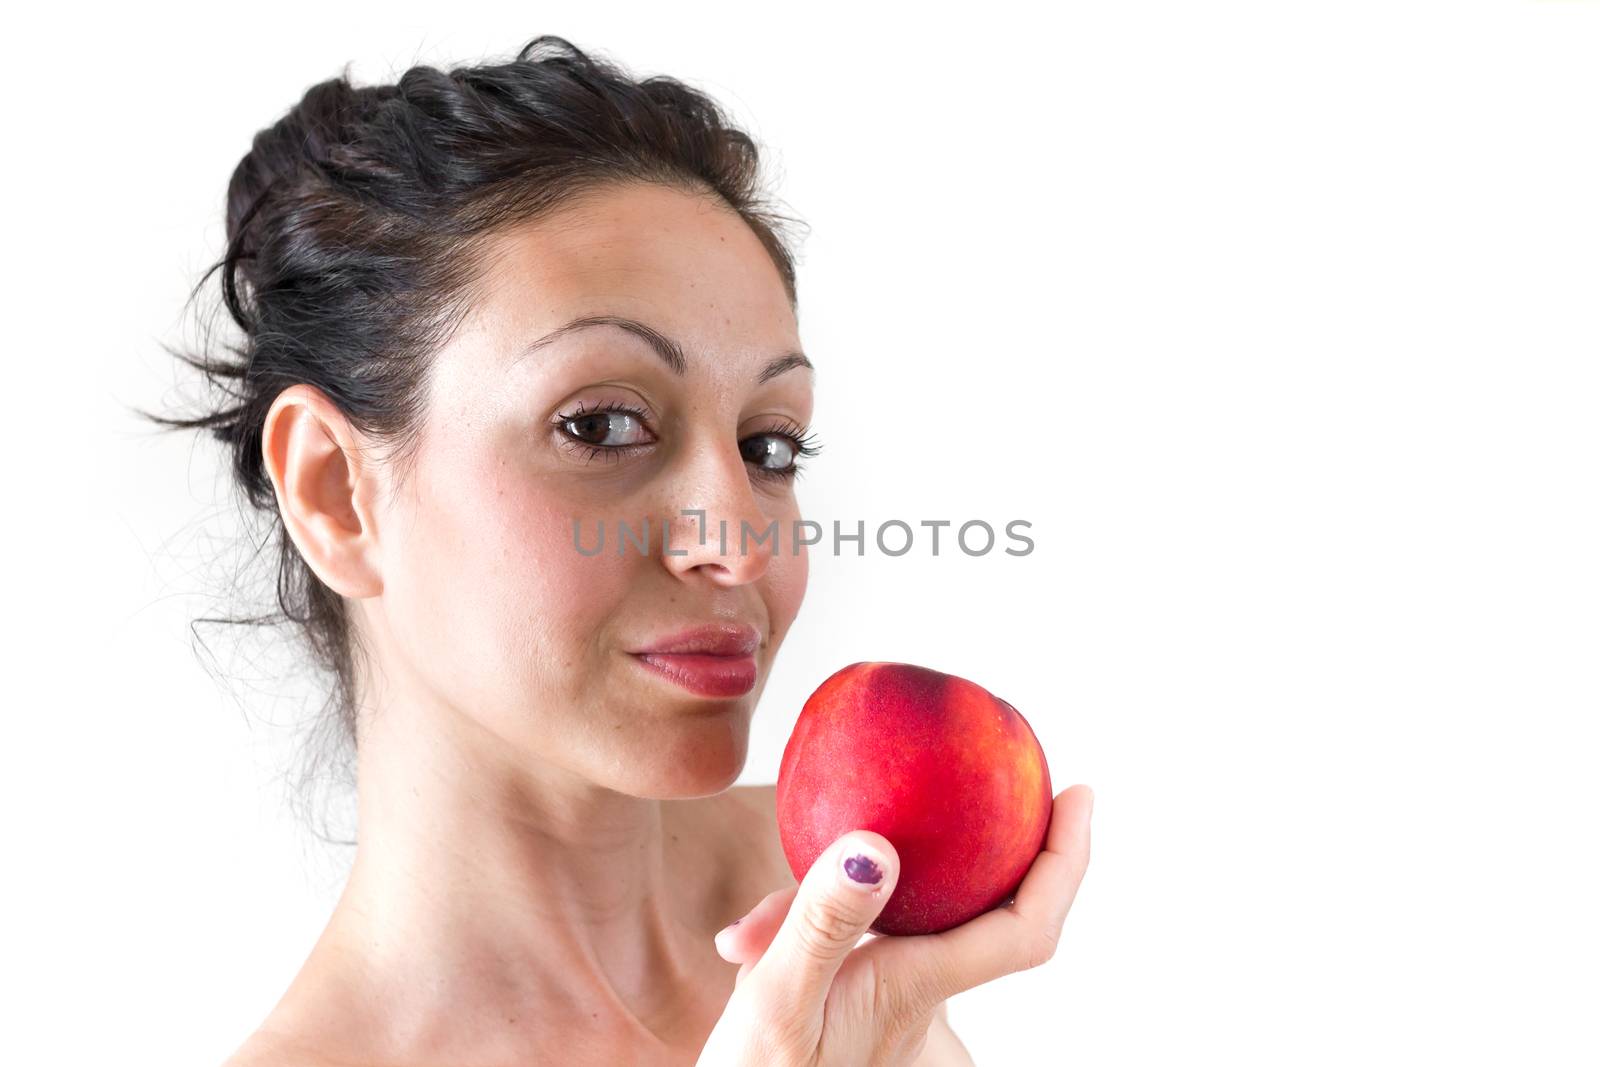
(351, 230)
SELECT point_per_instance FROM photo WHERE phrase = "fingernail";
(862, 870)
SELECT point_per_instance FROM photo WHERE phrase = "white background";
(1278, 321)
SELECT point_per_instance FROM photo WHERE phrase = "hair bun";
(309, 138)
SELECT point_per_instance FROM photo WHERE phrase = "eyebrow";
(670, 351)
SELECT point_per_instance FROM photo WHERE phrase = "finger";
(841, 894)
(924, 969)
(747, 937)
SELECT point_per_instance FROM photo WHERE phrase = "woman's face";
(492, 614)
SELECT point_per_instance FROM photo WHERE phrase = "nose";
(717, 526)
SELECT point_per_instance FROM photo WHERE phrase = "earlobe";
(324, 490)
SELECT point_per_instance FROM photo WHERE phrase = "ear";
(327, 489)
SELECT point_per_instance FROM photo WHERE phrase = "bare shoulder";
(760, 798)
(943, 1048)
(756, 814)
(270, 1047)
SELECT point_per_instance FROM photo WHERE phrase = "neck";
(490, 888)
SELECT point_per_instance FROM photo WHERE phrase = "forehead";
(685, 263)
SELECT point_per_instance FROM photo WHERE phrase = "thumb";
(840, 896)
(747, 937)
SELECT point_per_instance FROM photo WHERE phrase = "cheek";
(503, 610)
(786, 587)
(551, 602)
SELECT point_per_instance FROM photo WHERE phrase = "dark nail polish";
(862, 869)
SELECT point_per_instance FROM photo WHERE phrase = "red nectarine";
(951, 774)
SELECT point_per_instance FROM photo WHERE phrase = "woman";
(485, 311)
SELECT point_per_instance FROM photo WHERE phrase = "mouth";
(701, 674)
(708, 661)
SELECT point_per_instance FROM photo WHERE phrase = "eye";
(605, 428)
(775, 453)
(609, 428)
(769, 450)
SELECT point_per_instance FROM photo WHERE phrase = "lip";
(709, 661)
(703, 675)
(722, 639)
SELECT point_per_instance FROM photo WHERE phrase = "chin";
(696, 756)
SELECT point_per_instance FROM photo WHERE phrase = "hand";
(806, 994)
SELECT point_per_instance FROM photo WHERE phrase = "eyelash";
(804, 441)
